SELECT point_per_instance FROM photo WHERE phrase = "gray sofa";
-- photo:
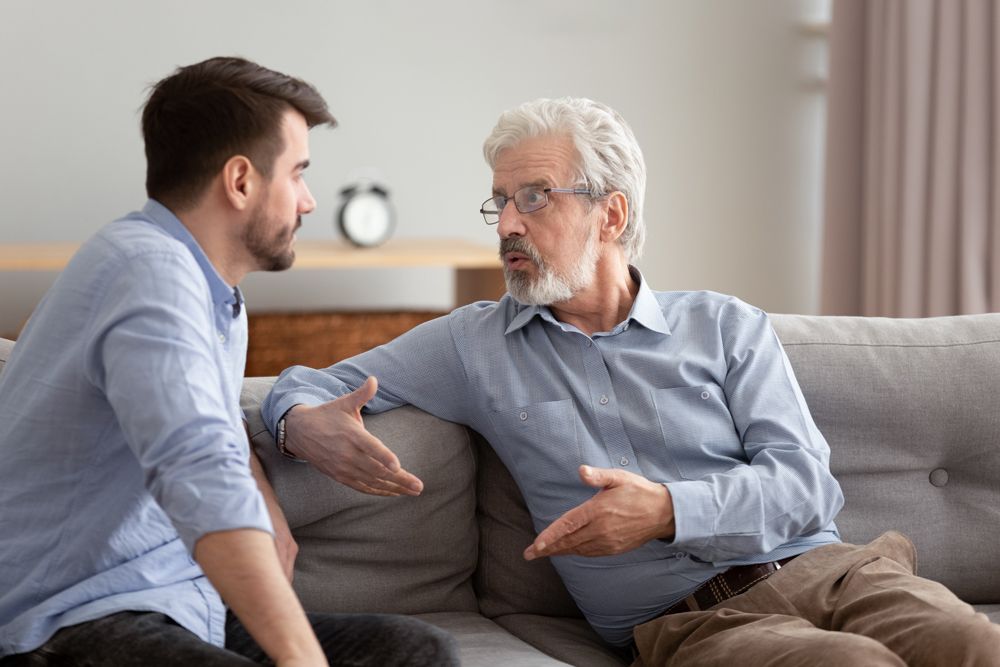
(908, 406)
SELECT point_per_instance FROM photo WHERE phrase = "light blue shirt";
(122, 440)
(693, 390)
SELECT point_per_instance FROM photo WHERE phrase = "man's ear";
(617, 217)
(239, 181)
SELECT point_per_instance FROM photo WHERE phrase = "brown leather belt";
(732, 582)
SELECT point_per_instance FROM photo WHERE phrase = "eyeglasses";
(526, 200)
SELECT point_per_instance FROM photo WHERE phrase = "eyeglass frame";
(545, 191)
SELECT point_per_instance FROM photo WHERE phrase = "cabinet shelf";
(478, 272)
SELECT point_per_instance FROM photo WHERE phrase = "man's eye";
(533, 197)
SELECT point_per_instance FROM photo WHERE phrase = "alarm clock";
(366, 217)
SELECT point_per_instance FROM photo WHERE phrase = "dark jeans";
(138, 639)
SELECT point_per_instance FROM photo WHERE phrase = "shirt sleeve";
(153, 354)
(786, 489)
(422, 368)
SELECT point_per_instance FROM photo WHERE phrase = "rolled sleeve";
(157, 362)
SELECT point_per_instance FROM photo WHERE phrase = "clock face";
(366, 218)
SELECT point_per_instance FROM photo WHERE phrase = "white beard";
(549, 287)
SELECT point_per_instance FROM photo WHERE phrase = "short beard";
(273, 253)
(548, 287)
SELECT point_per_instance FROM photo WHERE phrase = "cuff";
(197, 511)
(694, 514)
(286, 403)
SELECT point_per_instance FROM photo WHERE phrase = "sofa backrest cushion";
(910, 410)
(362, 553)
(505, 582)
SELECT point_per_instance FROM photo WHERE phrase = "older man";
(660, 439)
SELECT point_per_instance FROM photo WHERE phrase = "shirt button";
(222, 337)
(679, 555)
(523, 416)
(624, 461)
(705, 395)
(604, 400)
(589, 343)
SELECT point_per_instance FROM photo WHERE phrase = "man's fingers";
(376, 461)
(401, 483)
(561, 534)
(368, 464)
(381, 486)
(358, 485)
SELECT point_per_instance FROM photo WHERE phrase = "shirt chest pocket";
(540, 442)
(698, 430)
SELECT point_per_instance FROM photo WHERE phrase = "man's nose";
(307, 204)
(510, 221)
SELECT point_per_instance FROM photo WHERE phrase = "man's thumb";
(596, 477)
(366, 392)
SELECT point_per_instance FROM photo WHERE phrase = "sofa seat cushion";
(363, 553)
(909, 409)
(482, 643)
(571, 640)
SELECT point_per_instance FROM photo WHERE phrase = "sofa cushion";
(367, 553)
(571, 640)
(909, 409)
(505, 582)
(484, 643)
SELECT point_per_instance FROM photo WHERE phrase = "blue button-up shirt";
(122, 440)
(693, 390)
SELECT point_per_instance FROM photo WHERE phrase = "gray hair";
(610, 157)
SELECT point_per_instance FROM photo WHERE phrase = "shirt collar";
(645, 310)
(222, 293)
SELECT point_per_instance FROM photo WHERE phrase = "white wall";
(713, 89)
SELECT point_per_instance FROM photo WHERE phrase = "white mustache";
(520, 245)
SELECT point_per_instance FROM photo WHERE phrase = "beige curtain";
(912, 210)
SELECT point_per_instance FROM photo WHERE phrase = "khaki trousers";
(841, 604)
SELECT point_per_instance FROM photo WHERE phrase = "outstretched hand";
(628, 511)
(332, 437)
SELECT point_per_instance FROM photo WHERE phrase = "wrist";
(281, 436)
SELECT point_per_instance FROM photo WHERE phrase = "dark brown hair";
(202, 115)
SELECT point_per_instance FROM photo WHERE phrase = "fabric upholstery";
(368, 553)
(910, 410)
(568, 639)
(505, 582)
(482, 642)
